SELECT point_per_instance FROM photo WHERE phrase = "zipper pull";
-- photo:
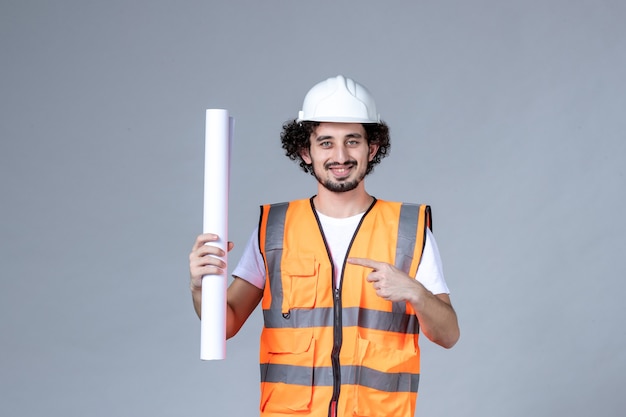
(333, 408)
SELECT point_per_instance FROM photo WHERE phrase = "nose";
(341, 154)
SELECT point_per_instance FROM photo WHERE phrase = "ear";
(373, 151)
(306, 157)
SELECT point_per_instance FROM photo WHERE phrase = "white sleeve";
(430, 270)
(251, 267)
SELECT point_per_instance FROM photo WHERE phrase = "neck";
(341, 205)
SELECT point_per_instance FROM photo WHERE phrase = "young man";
(346, 282)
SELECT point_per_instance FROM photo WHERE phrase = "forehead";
(338, 129)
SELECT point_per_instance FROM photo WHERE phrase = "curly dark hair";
(296, 137)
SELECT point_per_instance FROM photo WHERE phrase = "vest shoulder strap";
(415, 219)
(272, 226)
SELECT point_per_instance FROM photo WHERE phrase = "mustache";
(348, 164)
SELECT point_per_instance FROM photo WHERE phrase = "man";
(346, 282)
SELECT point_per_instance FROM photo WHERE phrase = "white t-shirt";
(338, 233)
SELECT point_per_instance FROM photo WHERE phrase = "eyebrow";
(349, 135)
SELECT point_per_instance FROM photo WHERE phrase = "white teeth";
(340, 171)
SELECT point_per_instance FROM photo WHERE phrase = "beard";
(339, 187)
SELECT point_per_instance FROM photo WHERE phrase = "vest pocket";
(287, 378)
(300, 277)
(384, 385)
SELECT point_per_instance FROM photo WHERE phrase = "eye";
(326, 144)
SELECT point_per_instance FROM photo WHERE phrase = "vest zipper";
(337, 308)
(334, 357)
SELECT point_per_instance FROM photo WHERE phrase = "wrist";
(416, 295)
(196, 286)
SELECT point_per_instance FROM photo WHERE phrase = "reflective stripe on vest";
(403, 382)
(379, 353)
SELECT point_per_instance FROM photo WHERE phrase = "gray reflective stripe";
(316, 317)
(399, 322)
(351, 316)
(275, 226)
(350, 375)
(407, 230)
(381, 381)
(297, 375)
(405, 249)
(274, 251)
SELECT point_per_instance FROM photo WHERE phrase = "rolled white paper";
(218, 139)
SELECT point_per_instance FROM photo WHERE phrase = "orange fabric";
(306, 272)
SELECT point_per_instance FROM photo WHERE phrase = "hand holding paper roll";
(205, 259)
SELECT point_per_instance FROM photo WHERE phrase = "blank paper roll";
(218, 139)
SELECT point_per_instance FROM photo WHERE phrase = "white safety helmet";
(339, 99)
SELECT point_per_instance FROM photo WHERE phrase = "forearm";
(241, 299)
(435, 313)
(232, 325)
(437, 318)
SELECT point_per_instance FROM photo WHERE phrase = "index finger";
(366, 262)
(204, 239)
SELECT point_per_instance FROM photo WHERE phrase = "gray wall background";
(506, 116)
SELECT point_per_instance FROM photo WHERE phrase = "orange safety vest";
(328, 351)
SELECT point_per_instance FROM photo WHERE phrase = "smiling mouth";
(340, 171)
